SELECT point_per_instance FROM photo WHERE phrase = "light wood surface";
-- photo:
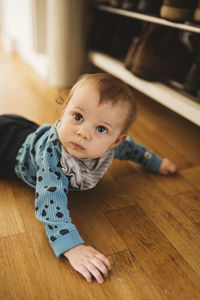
(147, 224)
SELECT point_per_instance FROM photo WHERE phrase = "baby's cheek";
(62, 135)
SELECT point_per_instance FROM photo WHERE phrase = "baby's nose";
(84, 132)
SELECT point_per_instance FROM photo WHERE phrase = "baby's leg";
(13, 131)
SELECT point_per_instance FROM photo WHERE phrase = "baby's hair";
(110, 89)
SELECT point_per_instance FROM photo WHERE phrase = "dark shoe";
(112, 34)
(124, 31)
(178, 10)
(160, 55)
(192, 42)
(131, 52)
(197, 12)
(149, 6)
(129, 4)
(192, 82)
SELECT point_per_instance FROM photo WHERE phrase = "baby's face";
(87, 129)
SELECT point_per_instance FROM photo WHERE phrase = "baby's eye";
(78, 117)
(101, 129)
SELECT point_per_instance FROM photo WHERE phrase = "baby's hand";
(167, 167)
(88, 261)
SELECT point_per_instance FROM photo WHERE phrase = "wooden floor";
(148, 225)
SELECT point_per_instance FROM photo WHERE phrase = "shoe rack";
(169, 97)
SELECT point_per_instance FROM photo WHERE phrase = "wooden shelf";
(148, 18)
(158, 91)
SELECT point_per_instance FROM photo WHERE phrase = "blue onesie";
(38, 164)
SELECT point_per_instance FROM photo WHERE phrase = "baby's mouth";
(77, 146)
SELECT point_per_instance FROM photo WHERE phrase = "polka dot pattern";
(52, 189)
(53, 238)
(40, 178)
(58, 174)
(64, 231)
(59, 215)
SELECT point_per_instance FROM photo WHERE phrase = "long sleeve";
(129, 150)
(51, 205)
(38, 164)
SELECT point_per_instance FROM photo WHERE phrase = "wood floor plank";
(125, 183)
(27, 276)
(178, 229)
(108, 194)
(192, 175)
(25, 199)
(144, 182)
(189, 205)
(57, 275)
(128, 280)
(171, 275)
(91, 223)
(19, 276)
(10, 218)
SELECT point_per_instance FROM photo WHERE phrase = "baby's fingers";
(95, 272)
(104, 259)
(84, 271)
(100, 266)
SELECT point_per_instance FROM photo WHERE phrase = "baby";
(73, 154)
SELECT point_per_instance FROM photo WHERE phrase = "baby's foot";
(167, 167)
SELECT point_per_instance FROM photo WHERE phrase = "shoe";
(131, 52)
(129, 4)
(124, 31)
(192, 81)
(192, 42)
(160, 55)
(178, 10)
(149, 6)
(197, 12)
(136, 40)
(113, 35)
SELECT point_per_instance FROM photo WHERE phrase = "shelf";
(155, 90)
(148, 18)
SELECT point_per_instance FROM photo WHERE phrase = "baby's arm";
(52, 205)
(52, 210)
(88, 261)
(150, 161)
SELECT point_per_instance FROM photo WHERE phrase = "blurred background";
(49, 35)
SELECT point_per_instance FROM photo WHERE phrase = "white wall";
(1, 11)
(18, 22)
(19, 32)
(49, 35)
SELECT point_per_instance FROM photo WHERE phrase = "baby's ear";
(119, 140)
